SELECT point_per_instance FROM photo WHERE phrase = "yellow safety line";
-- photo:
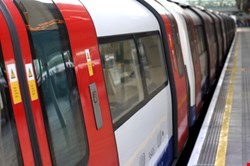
(237, 69)
(223, 141)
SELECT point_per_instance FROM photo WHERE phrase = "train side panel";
(141, 114)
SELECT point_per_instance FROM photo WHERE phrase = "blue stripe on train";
(204, 88)
(192, 115)
(167, 156)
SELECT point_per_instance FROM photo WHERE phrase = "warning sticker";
(31, 81)
(14, 84)
(89, 62)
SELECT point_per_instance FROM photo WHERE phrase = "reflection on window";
(122, 76)
(214, 39)
(212, 4)
(128, 84)
(178, 50)
(191, 42)
(152, 57)
(9, 145)
(213, 32)
(201, 40)
(198, 38)
(56, 81)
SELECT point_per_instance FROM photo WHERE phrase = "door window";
(122, 76)
(178, 50)
(134, 71)
(152, 57)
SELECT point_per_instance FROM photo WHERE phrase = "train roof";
(196, 19)
(112, 17)
(206, 18)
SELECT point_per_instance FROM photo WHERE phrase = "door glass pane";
(152, 57)
(56, 81)
(122, 76)
(10, 153)
(191, 42)
(202, 39)
(178, 50)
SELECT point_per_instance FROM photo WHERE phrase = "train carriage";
(134, 58)
(102, 82)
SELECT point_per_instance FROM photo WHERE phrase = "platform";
(224, 138)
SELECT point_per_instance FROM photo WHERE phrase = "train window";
(192, 44)
(178, 50)
(10, 153)
(132, 79)
(56, 82)
(152, 58)
(213, 32)
(198, 40)
(122, 76)
(201, 40)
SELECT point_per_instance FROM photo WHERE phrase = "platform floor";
(224, 138)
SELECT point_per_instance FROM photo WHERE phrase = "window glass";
(191, 42)
(56, 82)
(178, 50)
(214, 39)
(213, 32)
(10, 153)
(152, 58)
(122, 76)
(198, 40)
(202, 39)
(127, 83)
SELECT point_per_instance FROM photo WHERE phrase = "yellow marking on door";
(16, 94)
(89, 62)
(31, 82)
(14, 84)
(33, 90)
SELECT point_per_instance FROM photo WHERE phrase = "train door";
(218, 35)
(18, 144)
(223, 37)
(69, 87)
(84, 45)
(178, 75)
(196, 62)
(208, 32)
(215, 38)
(181, 81)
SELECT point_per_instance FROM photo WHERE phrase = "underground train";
(105, 82)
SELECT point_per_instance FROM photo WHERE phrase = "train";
(105, 82)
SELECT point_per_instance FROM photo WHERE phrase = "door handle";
(96, 105)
